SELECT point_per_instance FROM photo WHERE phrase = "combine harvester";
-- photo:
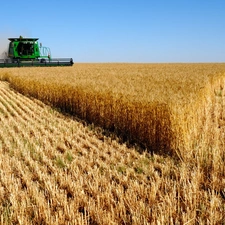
(23, 52)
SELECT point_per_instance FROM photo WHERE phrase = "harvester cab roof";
(23, 39)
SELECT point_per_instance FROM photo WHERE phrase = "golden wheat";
(70, 177)
(151, 104)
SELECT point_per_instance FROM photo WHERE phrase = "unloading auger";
(24, 52)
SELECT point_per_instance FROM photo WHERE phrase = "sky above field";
(120, 30)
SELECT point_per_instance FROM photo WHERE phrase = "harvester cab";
(28, 52)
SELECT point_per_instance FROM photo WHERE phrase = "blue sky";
(121, 30)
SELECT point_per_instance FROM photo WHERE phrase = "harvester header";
(28, 52)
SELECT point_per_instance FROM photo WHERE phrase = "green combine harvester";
(23, 52)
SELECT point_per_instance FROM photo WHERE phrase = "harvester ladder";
(45, 52)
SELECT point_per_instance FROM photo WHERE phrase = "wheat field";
(161, 162)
